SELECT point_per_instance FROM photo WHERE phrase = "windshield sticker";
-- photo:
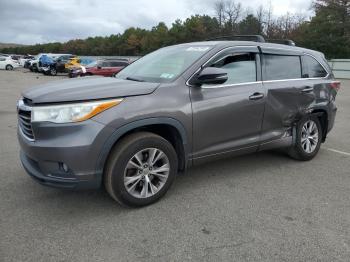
(197, 48)
(167, 75)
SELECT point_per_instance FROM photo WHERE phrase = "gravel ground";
(260, 207)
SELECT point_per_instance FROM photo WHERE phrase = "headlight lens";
(71, 112)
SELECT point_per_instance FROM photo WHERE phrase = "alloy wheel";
(146, 173)
(309, 136)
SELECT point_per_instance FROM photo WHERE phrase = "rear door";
(289, 95)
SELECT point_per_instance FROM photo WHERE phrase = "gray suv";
(176, 107)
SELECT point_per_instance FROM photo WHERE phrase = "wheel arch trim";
(119, 132)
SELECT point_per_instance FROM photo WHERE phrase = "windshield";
(163, 65)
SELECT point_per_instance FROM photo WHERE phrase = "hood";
(87, 88)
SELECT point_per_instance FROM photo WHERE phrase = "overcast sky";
(42, 21)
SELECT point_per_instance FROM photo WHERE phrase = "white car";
(7, 63)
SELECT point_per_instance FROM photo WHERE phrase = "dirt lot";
(260, 207)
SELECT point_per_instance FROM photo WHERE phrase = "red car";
(101, 67)
(106, 67)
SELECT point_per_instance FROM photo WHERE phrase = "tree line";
(328, 31)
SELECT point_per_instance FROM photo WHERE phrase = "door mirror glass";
(210, 76)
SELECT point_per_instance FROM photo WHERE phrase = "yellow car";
(72, 62)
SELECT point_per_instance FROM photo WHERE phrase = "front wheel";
(308, 139)
(53, 71)
(140, 169)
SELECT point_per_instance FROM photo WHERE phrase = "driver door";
(227, 118)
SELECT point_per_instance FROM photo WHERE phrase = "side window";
(312, 68)
(240, 67)
(118, 64)
(2, 59)
(105, 64)
(278, 67)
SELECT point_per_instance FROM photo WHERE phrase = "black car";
(57, 65)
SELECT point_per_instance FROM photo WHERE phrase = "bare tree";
(260, 16)
(233, 12)
(219, 7)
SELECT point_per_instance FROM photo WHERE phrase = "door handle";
(307, 89)
(256, 96)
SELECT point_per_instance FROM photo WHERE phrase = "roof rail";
(254, 38)
(282, 41)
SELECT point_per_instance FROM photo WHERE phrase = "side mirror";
(99, 67)
(211, 76)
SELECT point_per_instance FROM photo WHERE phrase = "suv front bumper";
(65, 155)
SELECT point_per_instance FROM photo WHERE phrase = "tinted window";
(279, 67)
(240, 67)
(2, 59)
(312, 68)
(117, 64)
(105, 64)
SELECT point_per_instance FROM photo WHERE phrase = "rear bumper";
(331, 119)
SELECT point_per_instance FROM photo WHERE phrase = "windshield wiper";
(134, 79)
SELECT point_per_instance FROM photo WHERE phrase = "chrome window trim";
(262, 81)
(230, 85)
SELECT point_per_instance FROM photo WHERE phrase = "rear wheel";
(308, 139)
(140, 169)
(9, 67)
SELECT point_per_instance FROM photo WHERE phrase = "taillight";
(335, 85)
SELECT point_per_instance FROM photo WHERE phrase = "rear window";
(278, 67)
(312, 68)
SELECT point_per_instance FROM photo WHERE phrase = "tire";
(118, 169)
(53, 71)
(9, 67)
(306, 149)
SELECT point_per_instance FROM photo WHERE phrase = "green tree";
(249, 25)
(329, 30)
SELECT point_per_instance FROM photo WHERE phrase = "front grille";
(25, 121)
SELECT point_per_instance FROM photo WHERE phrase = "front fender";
(118, 133)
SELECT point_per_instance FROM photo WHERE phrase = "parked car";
(72, 62)
(47, 65)
(24, 61)
(35, 65)
(61, 63)
(7, 63)
(106, 67)
(176, 107)
(58, 65)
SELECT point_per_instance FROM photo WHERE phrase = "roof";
(227, 43)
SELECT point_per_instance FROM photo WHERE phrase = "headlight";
(71, 112)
